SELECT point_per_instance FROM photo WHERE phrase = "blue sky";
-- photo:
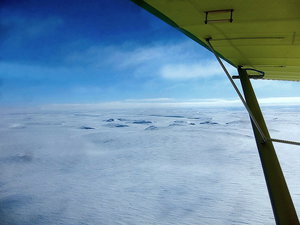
(102, 51)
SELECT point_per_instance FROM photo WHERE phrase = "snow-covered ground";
(139, 166)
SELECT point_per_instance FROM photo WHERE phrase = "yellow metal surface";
(264, 35)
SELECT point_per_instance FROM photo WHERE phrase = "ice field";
(139, 166)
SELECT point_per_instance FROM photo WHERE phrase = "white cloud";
(150, 100)
(139, 58)
(187, 71)
(185, 60)
(161, 53)
(202, 69)
(280, 101)
(171, 61)
(173, 103)
(150, 104)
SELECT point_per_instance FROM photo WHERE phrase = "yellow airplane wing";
(259, 34)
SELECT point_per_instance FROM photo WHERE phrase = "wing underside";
(262, 35)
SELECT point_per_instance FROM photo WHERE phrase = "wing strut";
(264, 139)
(282, 203)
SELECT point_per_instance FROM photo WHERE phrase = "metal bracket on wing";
(216, 20)
(260, 76)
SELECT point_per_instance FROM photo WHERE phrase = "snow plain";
(139, 166)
